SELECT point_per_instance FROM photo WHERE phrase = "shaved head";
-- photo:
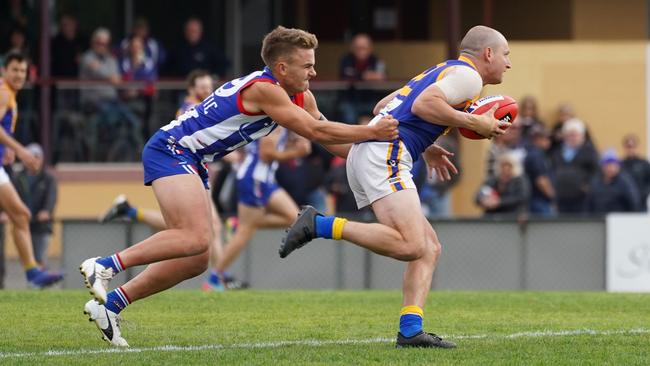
(479, 38)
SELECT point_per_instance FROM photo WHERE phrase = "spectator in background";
(510, 142)
(67, 47)
(638, 168)
(538, 171)
(18, 42)
(564, 113)
(360, 64)
(99, 64)
(38, 189)
(196, 52)
(612, 190)
(574, 164)
(528, 117)
(153, 50)
(199, 86)
(507, 193)
(113, 120)
(135, 65)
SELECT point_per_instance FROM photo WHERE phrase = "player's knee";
(411, 251)
(198, 242)
(199, 265)
(20, 216)
(435, 248)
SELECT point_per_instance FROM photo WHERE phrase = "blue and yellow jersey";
(8, 120)
(416, 133)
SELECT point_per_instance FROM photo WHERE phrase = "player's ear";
(488, 53)
(282, 67)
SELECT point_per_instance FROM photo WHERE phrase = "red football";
(507, 111)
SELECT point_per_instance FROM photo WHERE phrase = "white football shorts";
(4, 177)
(377, 169)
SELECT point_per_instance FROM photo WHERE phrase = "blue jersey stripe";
(416, 133)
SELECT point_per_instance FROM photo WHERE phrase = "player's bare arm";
(25, 156)
(432, 106)
(273, 101)
(312, 108)
(385, 100)
(269, 151)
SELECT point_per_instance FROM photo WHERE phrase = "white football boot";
(96, 278)
(107, 322)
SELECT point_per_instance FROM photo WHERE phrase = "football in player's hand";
(507, 111)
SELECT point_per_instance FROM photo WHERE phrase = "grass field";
(329, 327)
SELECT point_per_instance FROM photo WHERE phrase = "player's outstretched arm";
(274, 102)
(311, 107)
(432, 106)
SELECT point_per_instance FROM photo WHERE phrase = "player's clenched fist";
(386, 128)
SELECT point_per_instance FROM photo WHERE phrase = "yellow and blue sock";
(134, 213)
(410, 321)
(117, 300)
(114, 261)
(329, 227)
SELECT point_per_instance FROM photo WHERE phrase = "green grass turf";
(32, 323)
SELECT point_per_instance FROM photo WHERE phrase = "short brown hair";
(282, 41)
(196, 74)
(15, 56)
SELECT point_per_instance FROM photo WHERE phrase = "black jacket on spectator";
(351, 69)
(39, 193)
(203, 55)
(513, 196)
(572, 178)
(536, 164)
(66, 55)
(620, 195)
(639, 170)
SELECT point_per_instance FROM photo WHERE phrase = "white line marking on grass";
(317, 343)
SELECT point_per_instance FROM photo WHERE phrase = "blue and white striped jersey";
(220, 124)
(254, 169)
